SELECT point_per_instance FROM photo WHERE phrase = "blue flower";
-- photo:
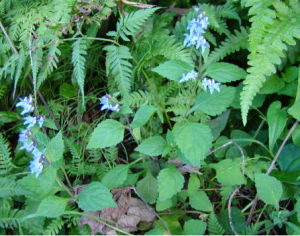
(40, 120)
(197, 27)
(36, 167)
(192, 75)
(107, 103)
(30, 121)
(211, 85)
(26, 103)
(37, 154)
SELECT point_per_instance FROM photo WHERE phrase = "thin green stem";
(64, 186)
(153, 87)
(67, 178)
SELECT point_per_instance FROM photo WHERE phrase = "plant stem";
(64, 186)
(93, 38)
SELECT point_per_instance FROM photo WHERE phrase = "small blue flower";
(192, 75)
(211, 85)
(27, 146)
(197, 27)
(40, 120)
(36, 167)
(37, 154)
(30, 121)
(26, 103)
(107, 103)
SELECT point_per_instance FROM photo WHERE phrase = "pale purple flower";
(36, 167)
(36, 153)
(26, 103)
(211, 85)
(107, 103)
(197, 27)
(30, 121)
(40, 120)
(192, 75)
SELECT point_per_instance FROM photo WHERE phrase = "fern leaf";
(6, 164)
(138, 98)
(54, 227)
(268, 54)
(21, 63)
(10, 188)
(131, 24)
(78, 60)
(118, 65)
(11, 218)
(50, 65)
(233, 43)
(214, 227)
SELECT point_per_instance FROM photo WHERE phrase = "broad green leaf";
(214, 104)
(155, 231)
(269, 189)
(297, 208)
(108, 133)
(170, 182)
(273, 85)
(296, 136)
(200, 201)
(95, 197)
(52, 206)
(194, 140)
(238, 221)
(115, 177)
(194, 184)
(225, 72)
(153, 146)
(287, 177)
(55, 148)
(147, 187)
(47, 179)
(289, 155)
(173, 69)
(194, 227)
(218, 124)
(229, 172)
(294, 110)
(67, 90)
(168, 203)
(142, 116)
(277, 119)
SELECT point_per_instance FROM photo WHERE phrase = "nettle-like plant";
(138, 130)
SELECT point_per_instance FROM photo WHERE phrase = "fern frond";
(233, 43)
(9, 188)
(78, 59)
(3, 89)
(54, 226)
(167, 46)
(213, 225)
(21, 64)
(118, 65)
(132, 23)
(51, 63)
(268, 54)
(138, 98)
(6, 164)
(11, 218)
(228, 11)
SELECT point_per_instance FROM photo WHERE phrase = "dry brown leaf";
(130, 212)
(184, 168)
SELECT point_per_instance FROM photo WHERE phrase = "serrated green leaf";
(95, 197)
(116, 176)
(170, 182)
(277, 119)
(147, 187)
(273, 85)
(52, 206)
(224, 72)
(107, 134)
(269, 189)
(55, 148)
(153, 146)
(142, 116)
(194, 227)
(173, 70)
(200, 201)
(214, 104)
(229, 172)
(194, 140)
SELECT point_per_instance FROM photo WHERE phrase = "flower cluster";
(211, 85)
(107, 103)
(197, 27)
(25, 136)
(192, 75)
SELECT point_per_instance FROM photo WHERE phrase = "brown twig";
(229, 210)
(137, 4)
(272, 166)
